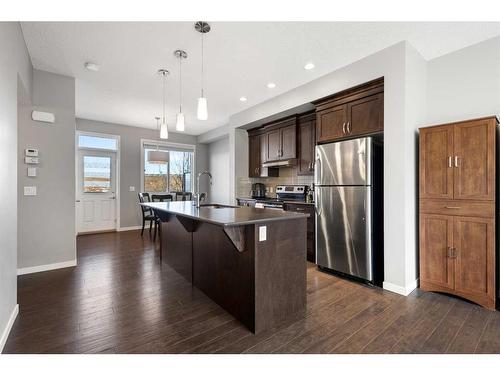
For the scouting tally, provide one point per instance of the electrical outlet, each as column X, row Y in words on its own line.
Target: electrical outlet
column 131, row 188
column 262, row 233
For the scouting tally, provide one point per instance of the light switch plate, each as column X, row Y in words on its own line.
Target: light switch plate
column 31, row 172
column 262, row 233
column 131, row 188
column 30, row 190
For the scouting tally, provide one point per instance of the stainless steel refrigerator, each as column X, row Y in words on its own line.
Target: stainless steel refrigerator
column 344, row 194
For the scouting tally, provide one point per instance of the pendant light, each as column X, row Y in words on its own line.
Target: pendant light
column 157, row 156
column 202, row 111
column 163, row 126
column 179, row 125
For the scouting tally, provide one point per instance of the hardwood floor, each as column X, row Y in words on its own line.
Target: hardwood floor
column 119, row 300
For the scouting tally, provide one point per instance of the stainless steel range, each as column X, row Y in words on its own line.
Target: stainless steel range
column 289, row 193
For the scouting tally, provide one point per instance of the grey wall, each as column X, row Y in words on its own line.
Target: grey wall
column 130, row 163
column 46, row 221
column 15, row 78
column 464, row 84
column 218, row 165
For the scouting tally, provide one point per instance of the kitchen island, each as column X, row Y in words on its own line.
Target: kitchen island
column 250, row 261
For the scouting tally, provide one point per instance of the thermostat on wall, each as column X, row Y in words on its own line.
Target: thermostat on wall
column 31, row 152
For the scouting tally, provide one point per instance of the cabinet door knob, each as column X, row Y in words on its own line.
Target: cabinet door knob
column 343, row 128
column 456, row 161
column 348, row 127
column 450, row 162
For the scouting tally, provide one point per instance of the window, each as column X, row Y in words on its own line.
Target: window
column 173, row 176
column 101, row 143
column 96, row 174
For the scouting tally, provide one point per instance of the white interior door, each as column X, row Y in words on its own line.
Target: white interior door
column 96, row 184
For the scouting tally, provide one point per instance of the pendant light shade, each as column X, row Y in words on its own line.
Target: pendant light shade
column 179, row 125
column 158, row 157
column 163, row 130
column 202, row 110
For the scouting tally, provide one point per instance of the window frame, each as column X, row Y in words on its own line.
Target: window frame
column 110, row 173
column 97, row 135
column 167, row 145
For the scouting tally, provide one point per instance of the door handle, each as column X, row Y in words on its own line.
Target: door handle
column 78, row 200
column 112, row 197
column 453, row 207
column 450, row 162
column 348, row 127
column 456, row 161
column 343, row 128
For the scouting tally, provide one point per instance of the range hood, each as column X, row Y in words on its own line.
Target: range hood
column 280, row 163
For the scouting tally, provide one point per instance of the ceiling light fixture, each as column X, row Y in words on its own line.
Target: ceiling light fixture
column 179, row 125
column 91, row 66
column 202, row 110
column 271, row 85
column 163, row 126
column 309, row 66
column 243, row 99
column 157, row 156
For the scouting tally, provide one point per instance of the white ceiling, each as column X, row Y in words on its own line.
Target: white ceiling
column 240, row 59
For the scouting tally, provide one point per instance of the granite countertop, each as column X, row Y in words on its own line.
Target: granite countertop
column 225, row 215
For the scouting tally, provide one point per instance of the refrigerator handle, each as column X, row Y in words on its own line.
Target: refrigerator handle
column 317, row 202
column 317, row 174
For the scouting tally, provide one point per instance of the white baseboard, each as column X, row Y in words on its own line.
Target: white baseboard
column 124, row 229
column 8, row 327
column 403, row 290
column 46, row 267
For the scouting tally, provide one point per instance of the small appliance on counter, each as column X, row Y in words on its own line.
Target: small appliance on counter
column 258, row 190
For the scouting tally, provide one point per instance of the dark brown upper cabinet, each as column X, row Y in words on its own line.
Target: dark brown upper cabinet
column 257, row 148
column 351, row 113
column 330, row 123
column 253, row 156
column 281, row 140
column 306, row 143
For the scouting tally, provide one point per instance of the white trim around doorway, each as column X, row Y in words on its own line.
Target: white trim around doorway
column 117, row 172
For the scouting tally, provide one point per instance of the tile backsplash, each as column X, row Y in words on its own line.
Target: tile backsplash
column 287, row 176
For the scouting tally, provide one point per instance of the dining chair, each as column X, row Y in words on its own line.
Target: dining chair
column 159, row 198
column 183, row 195
column 147, row 213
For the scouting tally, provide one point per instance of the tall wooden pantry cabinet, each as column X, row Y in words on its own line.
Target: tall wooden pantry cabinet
column 457, row 209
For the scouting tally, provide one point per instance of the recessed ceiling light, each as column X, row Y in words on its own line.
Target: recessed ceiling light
column 271, row 85
column 92, row 66
column 243, row 99
column 309, row 66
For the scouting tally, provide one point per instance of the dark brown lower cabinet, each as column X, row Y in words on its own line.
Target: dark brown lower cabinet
column 311, row 241
column 457, row 256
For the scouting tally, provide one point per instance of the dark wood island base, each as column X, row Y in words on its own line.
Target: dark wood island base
column 261, row 283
